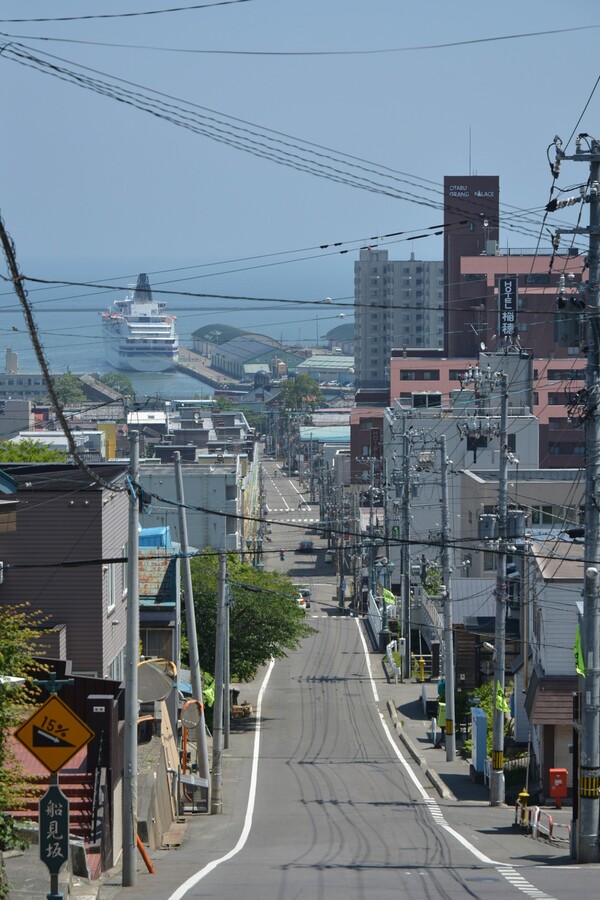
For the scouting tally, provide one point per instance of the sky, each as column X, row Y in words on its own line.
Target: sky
column 93, row 189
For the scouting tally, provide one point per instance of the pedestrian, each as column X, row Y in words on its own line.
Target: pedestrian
column 282, row 554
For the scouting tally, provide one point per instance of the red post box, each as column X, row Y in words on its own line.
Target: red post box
column 558, row 785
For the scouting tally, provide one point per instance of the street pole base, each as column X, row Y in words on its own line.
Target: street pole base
column 384, row 639
column 497, row 790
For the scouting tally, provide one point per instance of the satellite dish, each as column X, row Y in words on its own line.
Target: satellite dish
column 482, row 345
column 152, row 683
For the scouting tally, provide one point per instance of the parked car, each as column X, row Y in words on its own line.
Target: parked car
column 305, row 547
column 301, row 603
column 329, row 556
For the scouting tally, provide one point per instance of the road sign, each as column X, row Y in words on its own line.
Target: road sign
column 343, row 584
column 54, row 829
column 53, row 734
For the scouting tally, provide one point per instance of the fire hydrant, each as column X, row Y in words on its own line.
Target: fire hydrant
column 523, row 797
column 421, row 669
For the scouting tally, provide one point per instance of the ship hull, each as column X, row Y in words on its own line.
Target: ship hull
column 138, row 335
column 140, row 361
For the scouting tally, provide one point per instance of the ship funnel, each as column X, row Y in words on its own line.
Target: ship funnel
column 143, row 291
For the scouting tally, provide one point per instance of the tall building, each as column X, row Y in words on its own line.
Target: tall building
column 471, row 214
column 398, row 303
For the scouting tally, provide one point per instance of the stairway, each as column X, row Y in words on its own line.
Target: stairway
column 78, row 787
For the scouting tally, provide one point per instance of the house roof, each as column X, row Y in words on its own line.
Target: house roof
column 549, row 699
column 323, row 362
column 217, row 334
column 341, row 332
column 559, row 560
column 332, row 434
column 247, row 348
column 58, row 477
column 222, row 334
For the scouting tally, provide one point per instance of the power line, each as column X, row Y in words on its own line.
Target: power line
column 123, row 15
column 376, row 51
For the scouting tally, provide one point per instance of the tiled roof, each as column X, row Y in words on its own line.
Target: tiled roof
column 549, row 699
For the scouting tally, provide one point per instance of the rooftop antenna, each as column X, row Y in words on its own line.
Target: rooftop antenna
column 470, row 169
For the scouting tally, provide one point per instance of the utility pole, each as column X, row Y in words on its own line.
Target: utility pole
column 340, row 551
column 405, row 548
column 497, row 787
column 227, row 674
column 587, row 824
column 190, row 621
column 448, row 633
column 478, row 428
column 216, row 806
column 132, row 654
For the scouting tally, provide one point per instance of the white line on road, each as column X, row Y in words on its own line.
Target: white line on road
column 207, row 869
column 507, row 871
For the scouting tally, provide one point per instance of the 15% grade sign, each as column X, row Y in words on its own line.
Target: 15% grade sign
column 54, row 734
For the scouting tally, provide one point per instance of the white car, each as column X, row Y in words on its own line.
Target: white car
column 301, row 603
column 305, row 594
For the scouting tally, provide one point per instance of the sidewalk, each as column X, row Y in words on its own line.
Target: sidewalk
column 452, row 780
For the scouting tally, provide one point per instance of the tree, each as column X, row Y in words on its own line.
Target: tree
column 118, row 382
column 20, row 630
column 300, row 393
column 29, row 451
column 68, row 388
column 263, row 619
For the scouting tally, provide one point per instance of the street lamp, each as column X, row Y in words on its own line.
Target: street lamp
column 249, row 546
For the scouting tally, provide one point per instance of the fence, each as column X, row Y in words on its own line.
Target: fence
column 540, row 823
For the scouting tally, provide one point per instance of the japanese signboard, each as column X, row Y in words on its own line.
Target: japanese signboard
column 54, row 828
column 53, row 734
column 507, row 303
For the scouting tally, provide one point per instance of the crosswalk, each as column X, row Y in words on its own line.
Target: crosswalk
column 284, row 509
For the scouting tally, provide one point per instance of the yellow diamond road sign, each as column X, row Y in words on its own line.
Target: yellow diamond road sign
column 53, row 734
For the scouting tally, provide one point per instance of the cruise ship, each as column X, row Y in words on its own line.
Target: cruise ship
column 138, row 335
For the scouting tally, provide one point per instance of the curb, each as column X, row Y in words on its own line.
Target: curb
column 435, row 780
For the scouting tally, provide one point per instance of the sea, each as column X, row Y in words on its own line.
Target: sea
column 68, row 322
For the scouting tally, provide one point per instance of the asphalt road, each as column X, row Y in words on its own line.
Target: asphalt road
column 337, row 812
column 320, row 802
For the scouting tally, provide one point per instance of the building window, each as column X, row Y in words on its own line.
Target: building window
column 110, row 586
column 566, row 374
column 557, row 399
column 420, row 375
column 116, row 670
column 124, row 571
column 157, row 642
column 543, row 515
column 490, row 561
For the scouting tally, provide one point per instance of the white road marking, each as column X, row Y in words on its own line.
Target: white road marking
column 507, row 871
column 208, row 868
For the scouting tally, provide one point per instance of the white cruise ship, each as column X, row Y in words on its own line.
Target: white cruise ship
column 138, row 335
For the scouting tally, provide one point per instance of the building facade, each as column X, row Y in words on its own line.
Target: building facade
column 398, row 303
column 471, row 228
column 65, row 518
